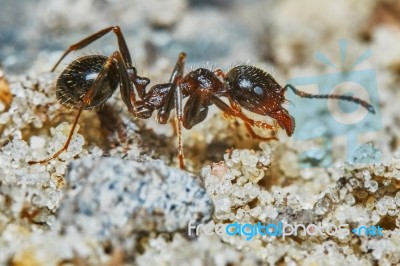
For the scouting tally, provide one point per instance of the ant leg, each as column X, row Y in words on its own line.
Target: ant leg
column 86, row 100
column 253, row 134
column 196, row 109
column 174, row 99
column 235, row 113
column 65, row 147
column 177, row 73
column 302, row 94
column 88, row 40
column 178, row 105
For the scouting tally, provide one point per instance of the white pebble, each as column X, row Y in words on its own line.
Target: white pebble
column 37, row 142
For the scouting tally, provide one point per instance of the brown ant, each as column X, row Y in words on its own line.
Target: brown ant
column 90, row 81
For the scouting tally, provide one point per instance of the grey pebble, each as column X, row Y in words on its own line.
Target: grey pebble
column 110, row 195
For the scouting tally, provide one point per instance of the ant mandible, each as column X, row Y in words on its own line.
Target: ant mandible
column 90, row 81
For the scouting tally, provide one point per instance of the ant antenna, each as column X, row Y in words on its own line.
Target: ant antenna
column 302, row 94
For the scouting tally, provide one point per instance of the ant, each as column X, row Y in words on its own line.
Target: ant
column 90, row 81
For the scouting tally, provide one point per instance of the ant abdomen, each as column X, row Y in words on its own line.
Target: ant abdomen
column 254, row 89
column 78, row 77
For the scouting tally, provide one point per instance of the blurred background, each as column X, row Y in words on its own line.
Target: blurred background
column 209, row 31
column 283, row 34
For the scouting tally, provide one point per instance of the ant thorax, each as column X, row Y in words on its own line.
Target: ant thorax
column 201, row 79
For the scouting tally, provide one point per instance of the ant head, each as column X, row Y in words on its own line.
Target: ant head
column 254, row 89
column 258, row 92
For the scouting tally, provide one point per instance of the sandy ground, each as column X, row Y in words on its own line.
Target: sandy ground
column 117, row 197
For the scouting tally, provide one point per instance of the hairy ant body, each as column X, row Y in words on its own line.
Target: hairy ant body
column 89, row 81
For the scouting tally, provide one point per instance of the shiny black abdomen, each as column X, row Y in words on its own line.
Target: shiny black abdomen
column 254, row 89
column 78, row 77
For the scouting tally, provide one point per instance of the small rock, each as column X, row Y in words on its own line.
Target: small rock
column 108, row 195
column 37, row 142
